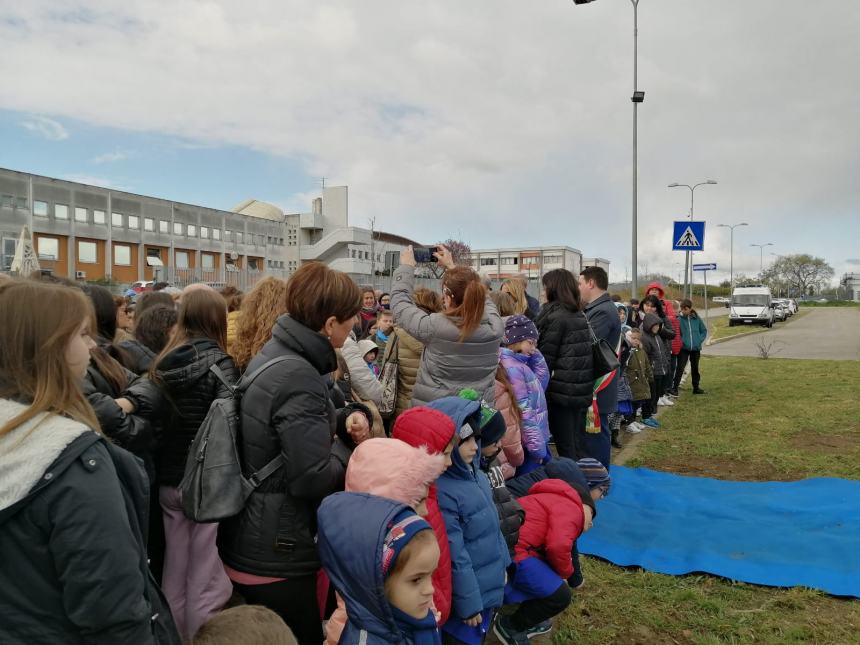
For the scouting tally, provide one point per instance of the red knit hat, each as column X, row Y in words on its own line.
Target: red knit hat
column 424, row 427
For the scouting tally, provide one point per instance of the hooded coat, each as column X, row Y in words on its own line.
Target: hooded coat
column 512, row 454
column 424, row 427
column 565, row 344
column 189, row 389
column 639, row 374
column 693, row 332
column 409, row 352
column 658, row 352
column 529, row 377
column 511, row 514
column 352, row 530
column 479, row 555
column 137, row 356
column 361, row 379
column 73, row 520
column 288, row 409
column 671, row 316
column 392, row 469
column 554, row 520
column 448, row 364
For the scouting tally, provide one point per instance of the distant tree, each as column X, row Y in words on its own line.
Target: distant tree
column 461, row 251
column 725, row 284
column 802, row 274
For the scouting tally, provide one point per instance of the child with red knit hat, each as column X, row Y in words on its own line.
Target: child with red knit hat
column 433, row 430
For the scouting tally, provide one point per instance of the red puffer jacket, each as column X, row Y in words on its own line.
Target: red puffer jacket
column 671, row 314
column 433, row 430
column 554, row 521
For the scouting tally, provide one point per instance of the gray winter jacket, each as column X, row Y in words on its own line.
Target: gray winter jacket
column 362, row 379
column 447, row 365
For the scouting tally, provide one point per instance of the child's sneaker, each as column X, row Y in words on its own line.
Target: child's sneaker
column 634, row 428
column 506, row 634
column 651, row 422
column 540, row 629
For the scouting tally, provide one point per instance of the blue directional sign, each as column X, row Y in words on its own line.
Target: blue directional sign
column 705, row 267
column 688, row 236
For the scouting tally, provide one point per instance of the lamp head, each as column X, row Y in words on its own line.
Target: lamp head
column 711, row 181
column 674, row 185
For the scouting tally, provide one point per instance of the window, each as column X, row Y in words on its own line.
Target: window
column 182, row 259
column 21, row 203
column 80, row 214
column 552, row 259
column 49, row 248
column 40, row 208
column 252, row 264
column 216, row 233
column 122, row 255
column 488, row 262
column 240, row 237
column 98, row 217
column 8, row 201
column 177, row 228
column 61, row 211
column 148, row 224
column 116, row 219
column 204, row 232
column 133, row 222
column 192, row 230
column 87, row 252
column 509, row 261
column 228, row 235
column 8, row 252
column 207, row 261
column 163, row 226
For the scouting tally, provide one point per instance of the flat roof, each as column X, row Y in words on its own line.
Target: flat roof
column 522, row 249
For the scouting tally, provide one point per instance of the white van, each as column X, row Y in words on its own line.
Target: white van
column 751, row 305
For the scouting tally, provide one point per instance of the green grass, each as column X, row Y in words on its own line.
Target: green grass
column 778, row 419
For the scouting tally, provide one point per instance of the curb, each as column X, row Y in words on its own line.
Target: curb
column 710, row 342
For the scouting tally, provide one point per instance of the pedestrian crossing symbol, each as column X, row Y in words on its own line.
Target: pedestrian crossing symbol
column 688, row 236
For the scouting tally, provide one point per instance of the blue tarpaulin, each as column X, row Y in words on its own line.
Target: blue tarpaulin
column 781, row 534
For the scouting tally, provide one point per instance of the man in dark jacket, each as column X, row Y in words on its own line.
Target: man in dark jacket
column 603, row 318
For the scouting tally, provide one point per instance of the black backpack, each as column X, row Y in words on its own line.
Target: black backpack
column 213, row 487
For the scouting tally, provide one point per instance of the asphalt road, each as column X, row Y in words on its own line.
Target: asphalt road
column 826, row 332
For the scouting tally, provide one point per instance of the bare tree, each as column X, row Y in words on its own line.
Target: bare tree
column 460, row 251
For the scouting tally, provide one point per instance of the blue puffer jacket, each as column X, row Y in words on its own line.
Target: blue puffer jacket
column 479, row 555
column 529, row 377
column 693, row 332
column 352, row 529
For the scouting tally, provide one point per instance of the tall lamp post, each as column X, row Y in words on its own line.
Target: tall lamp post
column 687, row 254
column 637, row 98
column 761, row 255
column 732, row 228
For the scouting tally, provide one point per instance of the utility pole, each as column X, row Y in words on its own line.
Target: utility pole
column 638, row 97
column 372, row 221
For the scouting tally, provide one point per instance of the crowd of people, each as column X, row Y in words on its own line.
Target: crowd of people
column 430, row 458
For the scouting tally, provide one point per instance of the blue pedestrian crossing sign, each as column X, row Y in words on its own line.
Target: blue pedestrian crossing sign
column 688, row 236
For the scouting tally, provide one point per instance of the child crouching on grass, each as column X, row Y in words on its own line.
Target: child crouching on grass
column 380, row 556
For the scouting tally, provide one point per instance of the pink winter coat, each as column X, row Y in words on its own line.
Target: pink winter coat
column 388, row 468
column 512, row 454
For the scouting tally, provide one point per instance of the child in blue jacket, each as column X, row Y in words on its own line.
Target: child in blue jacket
column 479, row 555
column 693, row 334
column 380, row 556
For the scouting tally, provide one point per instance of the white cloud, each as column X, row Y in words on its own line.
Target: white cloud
column 110, row 157
column 46, row 128
column 507, row 120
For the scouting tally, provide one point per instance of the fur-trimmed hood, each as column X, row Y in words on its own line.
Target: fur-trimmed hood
column 392, row 468
column 27, row 451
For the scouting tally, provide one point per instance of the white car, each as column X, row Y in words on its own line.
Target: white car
column 779, row 311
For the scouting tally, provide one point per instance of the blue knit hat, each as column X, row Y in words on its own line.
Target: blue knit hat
column 404, row 527
column 596, row 474
column 519, row 328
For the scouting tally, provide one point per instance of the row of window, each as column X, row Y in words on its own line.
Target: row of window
column 10, row 201
column 356, row 254
column 491, row 262
column 132, row 222
column 48, row 248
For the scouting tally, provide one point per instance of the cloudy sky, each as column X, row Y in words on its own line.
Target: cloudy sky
column 501, row 122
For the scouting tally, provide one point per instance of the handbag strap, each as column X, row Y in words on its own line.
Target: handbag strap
column 594, row 338
column 261, row 475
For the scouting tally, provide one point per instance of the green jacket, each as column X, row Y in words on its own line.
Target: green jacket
column 693, row 332
column 639, row 374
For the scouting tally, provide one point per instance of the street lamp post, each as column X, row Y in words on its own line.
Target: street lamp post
column 637, row 98
column 761, row 255
column 732, row 227
column 687, row 254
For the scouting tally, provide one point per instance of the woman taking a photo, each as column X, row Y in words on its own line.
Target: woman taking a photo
column 565, row 343
column 269, row 549
column 461, row 344
column 73, row 506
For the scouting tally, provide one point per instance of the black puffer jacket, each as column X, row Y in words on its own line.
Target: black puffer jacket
column 189, row 389
column 136, row 356
column 565, row 343
column 134, row 432
column 511, row 514
column 288, row 409
column 74, row 566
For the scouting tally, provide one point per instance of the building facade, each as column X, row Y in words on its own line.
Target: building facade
column 851, row 283
column 603, row 263
column 531, row 262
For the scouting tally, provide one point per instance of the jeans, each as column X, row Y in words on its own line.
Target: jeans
column 194, row 580
column 693, row 355
column 294, row 600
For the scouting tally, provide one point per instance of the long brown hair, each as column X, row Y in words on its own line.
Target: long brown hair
column 463, row 286
column 202, row 314
column 502, row 377
column 33, row 345
column 517, row 291
column 266, row 302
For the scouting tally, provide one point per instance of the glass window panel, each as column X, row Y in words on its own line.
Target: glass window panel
column 87, row 252
column 122, row 255
column 80, row 214
column 98, row 217
column 49, row 248
column 61, row 211
column 40, row 208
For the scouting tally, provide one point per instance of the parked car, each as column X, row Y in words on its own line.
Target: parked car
column 779, row 311
column 142, row 285
column 751, row 305
column 722, row 299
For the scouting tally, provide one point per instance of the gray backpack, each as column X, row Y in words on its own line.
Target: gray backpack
column 213, row 486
